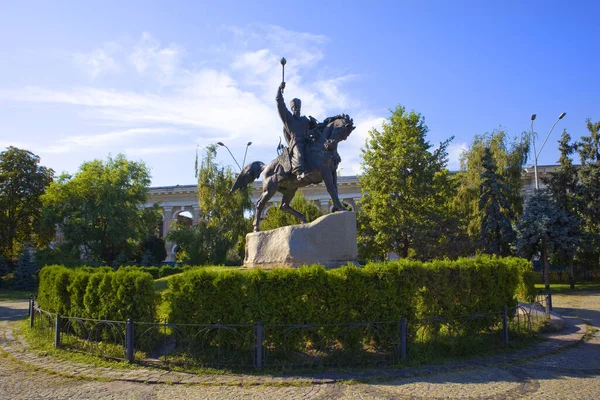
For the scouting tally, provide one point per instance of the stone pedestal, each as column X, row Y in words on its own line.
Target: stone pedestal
column 329, row 240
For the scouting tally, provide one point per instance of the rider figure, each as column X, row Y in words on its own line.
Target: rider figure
column 296, row 130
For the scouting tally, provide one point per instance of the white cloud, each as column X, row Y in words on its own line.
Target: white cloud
column 455, row 150
column 96, row 62
column 149, row 57
column 164, row 149
column 107, row 139
column 350, row 149
column 230, row 100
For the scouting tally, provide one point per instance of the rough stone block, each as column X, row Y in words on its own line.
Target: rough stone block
column 329, row 240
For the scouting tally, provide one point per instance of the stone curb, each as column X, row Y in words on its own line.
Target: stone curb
column 573, row 334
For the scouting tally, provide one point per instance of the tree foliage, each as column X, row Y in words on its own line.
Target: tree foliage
column 22, row 182
column 562, row 184
column 222, row 224
column 276, row 218
column 98, row 211
column 510, row 156
column 405, row 187
column 562, row 187
column 497, row 233
column 545, row 230
column 24, row 276
column 588, row 193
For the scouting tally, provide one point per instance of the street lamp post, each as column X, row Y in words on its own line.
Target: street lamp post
column 223, row 145
column 246, row 152
column 536, row 153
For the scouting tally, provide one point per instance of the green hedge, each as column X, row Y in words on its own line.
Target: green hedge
column 98, row 293
column 154, row 271
column 376, row 292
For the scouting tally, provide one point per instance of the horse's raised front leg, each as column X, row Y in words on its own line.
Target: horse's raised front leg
column 328, row 178
column 269, row 189
column 285, row 206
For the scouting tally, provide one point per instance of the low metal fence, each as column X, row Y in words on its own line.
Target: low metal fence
column 288, row 345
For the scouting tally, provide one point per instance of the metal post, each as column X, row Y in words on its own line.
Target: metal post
column 259, row 340
column 549, row 301
column 403, row 338
column 57, row 331
column 31, row 312
column 30, row 302
column 505, row 325
column 129, row 340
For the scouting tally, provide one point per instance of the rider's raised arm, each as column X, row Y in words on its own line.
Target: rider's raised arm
column 284, row 114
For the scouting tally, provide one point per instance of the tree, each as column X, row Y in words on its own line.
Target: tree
column 24, row 277
column 3, row 270
column 405, row 186
column 22, row 182
column 222, row 224
column 152, row 250
column 562, row 187
column 276, row 218
column 510, row 156
column 544, row 230
column 99, row 212
column 588, row 193
column 497, row 233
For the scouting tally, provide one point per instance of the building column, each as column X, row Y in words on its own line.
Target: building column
column 167, row 219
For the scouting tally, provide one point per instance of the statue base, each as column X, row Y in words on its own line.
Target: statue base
column 329, row 240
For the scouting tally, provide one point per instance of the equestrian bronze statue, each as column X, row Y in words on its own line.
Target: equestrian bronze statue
column 320, row 165
column 311, row 157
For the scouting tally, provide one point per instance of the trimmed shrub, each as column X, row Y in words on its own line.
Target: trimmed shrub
column 377, row 292
column 98, row 293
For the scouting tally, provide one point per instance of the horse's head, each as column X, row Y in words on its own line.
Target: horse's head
column 342, row 126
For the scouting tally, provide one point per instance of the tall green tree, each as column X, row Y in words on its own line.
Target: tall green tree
column 589, row 192
column 22, row 183
column 405, row 187
column 562, row 186
column 223, row 225
column 98, row 211
column 546, row 230
column 276, row 218
column 497, row 233
column 510, row 156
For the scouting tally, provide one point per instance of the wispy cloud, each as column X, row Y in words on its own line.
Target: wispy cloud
column 149, row 57
column 96, row 62
column 164, row 149
column 106, row 139
column 455, row 150
column 230, row 100
column 351, row 148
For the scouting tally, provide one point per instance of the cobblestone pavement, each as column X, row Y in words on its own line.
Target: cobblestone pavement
column 539, row 373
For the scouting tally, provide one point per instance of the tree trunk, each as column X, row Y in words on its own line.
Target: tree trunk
column 546, row 268
column 572, row 274
column 405, row 244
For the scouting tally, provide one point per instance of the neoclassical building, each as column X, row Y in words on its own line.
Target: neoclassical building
column 182, row 200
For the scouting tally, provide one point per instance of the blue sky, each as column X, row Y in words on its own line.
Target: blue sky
column 153, row 80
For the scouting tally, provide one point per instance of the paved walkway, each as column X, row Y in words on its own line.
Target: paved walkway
column 562, row 367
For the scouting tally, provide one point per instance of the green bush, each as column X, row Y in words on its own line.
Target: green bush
column 98, row 293
column 377, row 292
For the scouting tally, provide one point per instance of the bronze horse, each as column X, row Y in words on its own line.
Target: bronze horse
column 322, row 160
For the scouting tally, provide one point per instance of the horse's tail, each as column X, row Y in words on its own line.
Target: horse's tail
column 248, row 175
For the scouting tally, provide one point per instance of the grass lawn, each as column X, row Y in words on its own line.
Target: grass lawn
column 160, row 285
column 566, row 288
column 10, row 294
